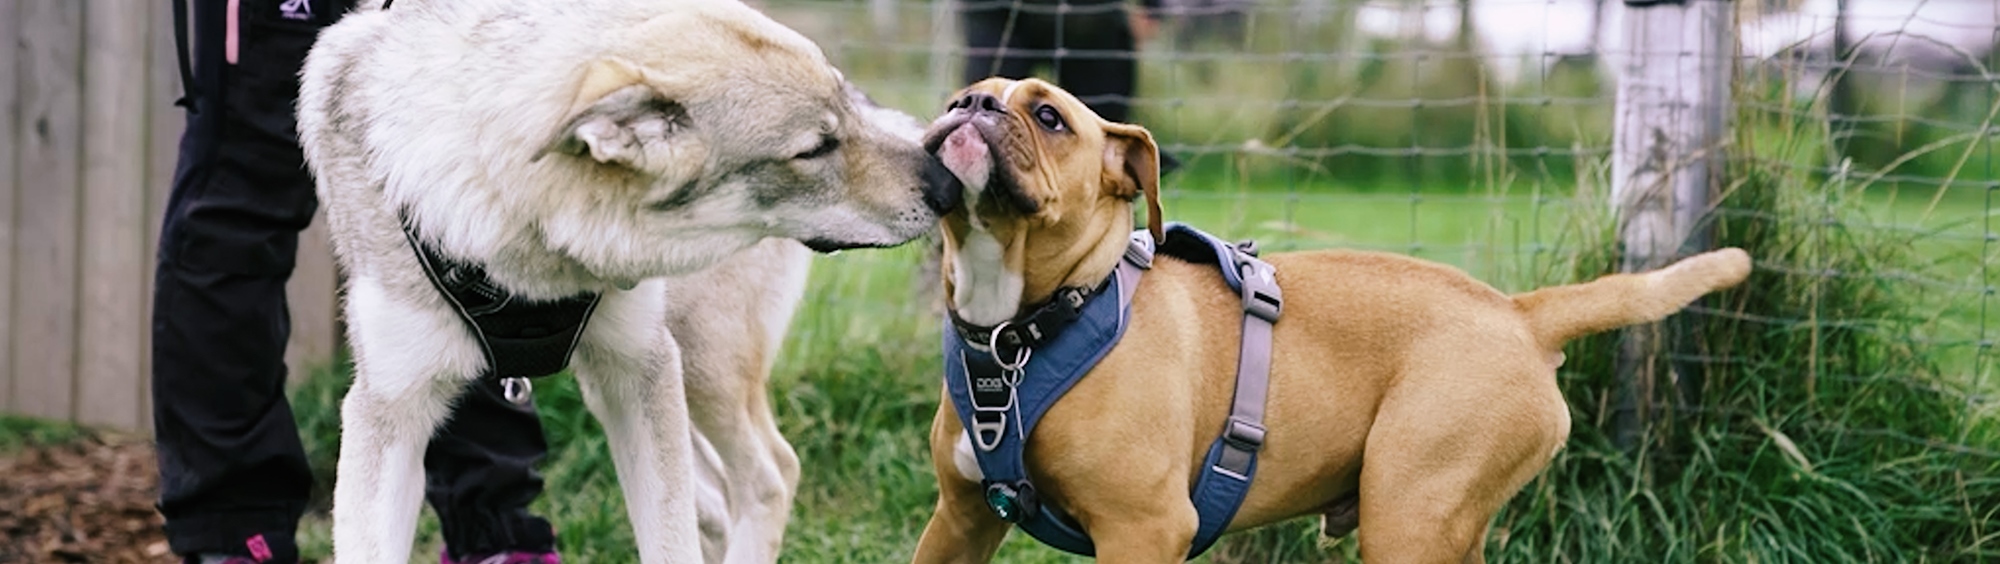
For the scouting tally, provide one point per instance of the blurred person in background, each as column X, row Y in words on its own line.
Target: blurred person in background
column 1090, row 46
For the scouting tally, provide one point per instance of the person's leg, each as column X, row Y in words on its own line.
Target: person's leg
column 233, row 477
column 481, row 477
column 1099, row 65
column 997, row 41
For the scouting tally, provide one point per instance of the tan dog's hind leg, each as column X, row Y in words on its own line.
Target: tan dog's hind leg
column 961, row 530
column 1452, row 442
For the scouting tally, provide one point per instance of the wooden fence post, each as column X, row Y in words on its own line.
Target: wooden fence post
column 1671, row 106
column 49, row 131
column 111, row 312
column 10, row 111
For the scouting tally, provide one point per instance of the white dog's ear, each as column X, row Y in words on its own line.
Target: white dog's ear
column 628, row 115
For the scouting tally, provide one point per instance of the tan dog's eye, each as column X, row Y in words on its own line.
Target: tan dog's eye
column 826, row 147
column 1049, row 117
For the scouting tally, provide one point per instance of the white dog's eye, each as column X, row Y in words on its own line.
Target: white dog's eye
column 826, row 147
column 1049, row 118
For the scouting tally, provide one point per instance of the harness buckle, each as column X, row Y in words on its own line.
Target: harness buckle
column 1247, row 246
column 1260, row 289
column 1140, row 251
column 1244, row 435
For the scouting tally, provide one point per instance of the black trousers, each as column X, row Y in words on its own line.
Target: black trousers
column 231, row 464
column 1089, row 48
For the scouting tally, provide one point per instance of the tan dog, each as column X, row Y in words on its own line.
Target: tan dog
column 1403, row 393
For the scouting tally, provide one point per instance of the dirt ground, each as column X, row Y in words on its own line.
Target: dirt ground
column 88, row 501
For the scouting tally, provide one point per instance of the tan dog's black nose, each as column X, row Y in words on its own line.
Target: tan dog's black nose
column 978, row 102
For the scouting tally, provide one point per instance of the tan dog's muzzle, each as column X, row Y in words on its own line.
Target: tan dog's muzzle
column 1021, row 146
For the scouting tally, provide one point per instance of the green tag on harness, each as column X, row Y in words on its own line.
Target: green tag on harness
column 1006, row 503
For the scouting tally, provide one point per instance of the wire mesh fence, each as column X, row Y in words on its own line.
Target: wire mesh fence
column 1861, row 163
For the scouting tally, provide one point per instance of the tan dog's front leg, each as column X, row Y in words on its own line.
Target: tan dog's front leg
column 1147, row 536
column 962, row 529
column 1157, row 529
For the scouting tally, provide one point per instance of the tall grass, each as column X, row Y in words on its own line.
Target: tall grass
column 1805, row 419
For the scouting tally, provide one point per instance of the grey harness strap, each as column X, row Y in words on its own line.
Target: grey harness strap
column 1262, row 302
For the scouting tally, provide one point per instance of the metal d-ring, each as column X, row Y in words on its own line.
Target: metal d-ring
column 993, row 348
column 517, row 390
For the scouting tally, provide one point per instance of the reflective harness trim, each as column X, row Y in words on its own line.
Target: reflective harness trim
column 1002, row 380
column 520, row 339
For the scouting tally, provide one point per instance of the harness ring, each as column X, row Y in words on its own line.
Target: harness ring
column 517, row 390
column 993, row 349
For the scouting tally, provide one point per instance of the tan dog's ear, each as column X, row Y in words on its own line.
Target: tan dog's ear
column 1132, row 168
column 628, row 113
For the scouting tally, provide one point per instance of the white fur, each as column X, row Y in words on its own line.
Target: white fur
column 1007, row 95
column 629, row 370
column 965, row 461
column 984, row 290
column 422, row 359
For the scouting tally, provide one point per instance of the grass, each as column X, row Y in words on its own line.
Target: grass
column 17, row 433
column 856, row 386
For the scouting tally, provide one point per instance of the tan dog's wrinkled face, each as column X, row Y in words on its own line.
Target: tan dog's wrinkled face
column 1048, row 197
column 733, row 128
column 1026, row 150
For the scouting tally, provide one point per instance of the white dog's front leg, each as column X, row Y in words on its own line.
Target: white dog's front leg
column 629, row 371
column 380, row 486
column 409, row 363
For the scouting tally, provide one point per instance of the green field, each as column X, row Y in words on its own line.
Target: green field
column 857, row 383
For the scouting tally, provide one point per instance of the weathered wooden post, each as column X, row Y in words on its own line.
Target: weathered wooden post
column 1673, row 96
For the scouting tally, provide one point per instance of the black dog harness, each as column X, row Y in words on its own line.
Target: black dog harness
column 1002, row 379
column 521, row 339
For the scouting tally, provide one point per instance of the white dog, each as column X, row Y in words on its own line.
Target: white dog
column 585, row 150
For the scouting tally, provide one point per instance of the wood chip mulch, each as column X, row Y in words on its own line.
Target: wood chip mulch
column 87, row 501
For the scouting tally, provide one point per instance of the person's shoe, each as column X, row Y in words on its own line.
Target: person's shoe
column 260, row 552
column 503, row 558
column 221, row 559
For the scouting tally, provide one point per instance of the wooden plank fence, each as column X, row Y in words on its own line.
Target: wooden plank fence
column 88, row 140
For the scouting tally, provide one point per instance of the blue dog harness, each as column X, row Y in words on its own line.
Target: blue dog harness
column 1002, row 379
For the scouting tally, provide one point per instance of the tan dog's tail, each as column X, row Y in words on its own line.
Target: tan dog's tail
column 1562, row 313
